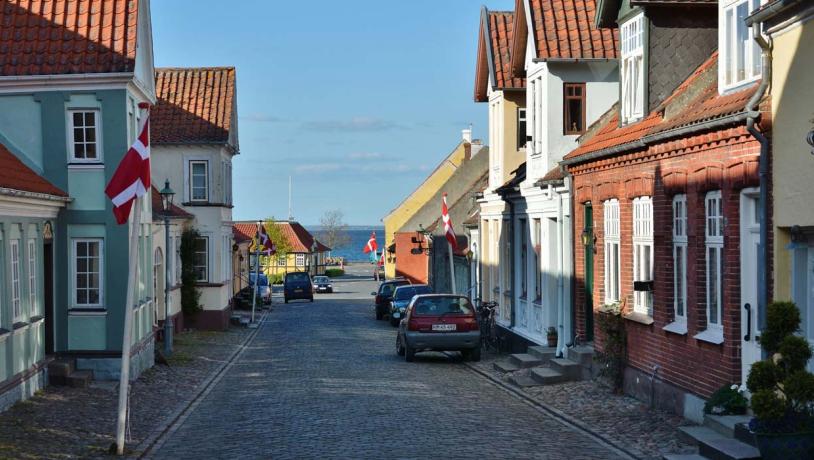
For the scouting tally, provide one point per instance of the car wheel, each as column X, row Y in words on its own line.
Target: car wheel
column 473, row 355
column 286, row 300
column 393, row 321
column 409, row 353
column 399, row 348
column 379, row 315
column 311, row 299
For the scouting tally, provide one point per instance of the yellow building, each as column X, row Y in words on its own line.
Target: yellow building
column 790, row 27
column 305, row 252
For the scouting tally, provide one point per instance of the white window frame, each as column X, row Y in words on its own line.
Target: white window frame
column 195, row 266
column 643, row 252
column 521, row 133
column 714, row 242
column 632, row 72
column 32, row 276
column 192, row 187
column 613, row 266
column 680, row 244
column 74, row 257
column 524, row 258
column 537, row 247
column 728, row 42
column 97, row 115
column 14, row 262
column 299, row 259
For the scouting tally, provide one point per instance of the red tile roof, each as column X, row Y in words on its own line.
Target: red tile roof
column 15, row 175
column 563, row 29
column 695, row 101
column 496, row 26
column 195, row 105
column 52, row 37
column 158, row 207
column 243, row 232
column 299, row 238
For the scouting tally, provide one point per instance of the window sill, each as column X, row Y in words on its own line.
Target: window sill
column 641, row 318
column 714, row 336
column 676, row 328
column 36, row 319
column 89, row 165
column 4, row 334
column 81, row 311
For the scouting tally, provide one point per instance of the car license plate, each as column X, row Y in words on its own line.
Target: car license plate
column 443, row 327
column 297, row 290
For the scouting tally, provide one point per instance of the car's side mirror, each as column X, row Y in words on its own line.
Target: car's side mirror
column 372, row 293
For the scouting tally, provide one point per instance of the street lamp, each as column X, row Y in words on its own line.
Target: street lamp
column 314, row 256
column 166, row 204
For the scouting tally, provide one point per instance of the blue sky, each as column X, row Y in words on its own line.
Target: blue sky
column 357, row 100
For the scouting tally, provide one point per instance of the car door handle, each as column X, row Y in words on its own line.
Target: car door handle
column 748, row 335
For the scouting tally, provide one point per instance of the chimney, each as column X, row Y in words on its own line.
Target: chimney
column 467, row 134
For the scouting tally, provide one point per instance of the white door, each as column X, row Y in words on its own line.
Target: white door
column 750, row 248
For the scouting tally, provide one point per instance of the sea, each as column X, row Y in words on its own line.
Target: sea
column 352, row 252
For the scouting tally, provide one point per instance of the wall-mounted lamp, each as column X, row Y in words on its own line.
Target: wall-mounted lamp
column 588, row 237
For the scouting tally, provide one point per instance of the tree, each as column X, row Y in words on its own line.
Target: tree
column 334, row 232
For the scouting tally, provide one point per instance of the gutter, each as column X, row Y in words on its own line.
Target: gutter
column 753, row 113
column 572, row 60
column 768, row 11
column 33, row 195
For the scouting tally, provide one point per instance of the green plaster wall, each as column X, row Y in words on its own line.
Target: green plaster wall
column 22, row 123
column 87, row 332
column 85, row 185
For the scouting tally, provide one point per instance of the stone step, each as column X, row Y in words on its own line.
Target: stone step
column 523, row 381
column 61, row 367
column 546, row 375
column 544, row 354
column 725, row 424
column 583, row 355
column 505, row 366
column 683, row 457
column 80, row 379
column 525, row 360
column 566, row 367
column 716, row 446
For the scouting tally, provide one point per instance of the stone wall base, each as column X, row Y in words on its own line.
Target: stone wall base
column 141, row 359
column 22, row 386
column 663, row 395
column 212, row 320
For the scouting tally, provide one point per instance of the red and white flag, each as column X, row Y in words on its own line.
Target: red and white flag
column 132, row 177
column 266, row 245
column 449, row 232
column 371, row 244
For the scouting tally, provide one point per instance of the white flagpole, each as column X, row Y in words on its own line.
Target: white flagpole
column 124, row 379
column 451, row 268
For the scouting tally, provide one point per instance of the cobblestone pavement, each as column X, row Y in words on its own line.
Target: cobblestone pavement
column 68, row 423
column 322, row 380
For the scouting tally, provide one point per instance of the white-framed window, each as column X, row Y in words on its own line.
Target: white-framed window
column 521, row 128
column 740, row 55
column 538, row 276
column 84, row 135
column 200, row 259
column 199, row 180
column 643, row 252
column 88, row 272
column 281, row 261
column 300, row 260
column 714, row 248
column 16, row 308
column 631, row 34
column 524, row 257
column 178, row 264
column 32, row 277
column 680, row 257
column 612, row 261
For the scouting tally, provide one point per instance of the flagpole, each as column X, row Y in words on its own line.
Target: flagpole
column 124, row 377
column 452, row 268
column 256, row 273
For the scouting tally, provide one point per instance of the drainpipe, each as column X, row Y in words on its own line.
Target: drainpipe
column 753, row 113
column 560, row 281
column 510, row 242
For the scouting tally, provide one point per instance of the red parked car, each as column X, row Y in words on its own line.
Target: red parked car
column 439, row 322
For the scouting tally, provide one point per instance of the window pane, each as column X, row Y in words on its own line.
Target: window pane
column 742, row 41
column 647, row 270
column 90, row 119
column 90, row 134
column 90, row 150
column 679, row 273
column 79, row 135
column 93, row 296
column 81, row 297
column 712, row 285
column 730, row 50
column 756, row 58
column 615, row 270
column 574, row 115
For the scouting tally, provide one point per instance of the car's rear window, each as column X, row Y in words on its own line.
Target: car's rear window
column 321, row 279
column 434, row 306
column 296, row 277
column 388, row 288
column 407, row 292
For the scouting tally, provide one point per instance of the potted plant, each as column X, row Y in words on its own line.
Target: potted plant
column 551, row 336
column 782, row 390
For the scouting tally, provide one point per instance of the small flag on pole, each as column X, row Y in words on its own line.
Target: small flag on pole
column 132, row 177
column 266, row 245
column 371, row 245
column 449, row 232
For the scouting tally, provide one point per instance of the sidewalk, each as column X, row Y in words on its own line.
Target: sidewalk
column 63, row 422
column 622, row 420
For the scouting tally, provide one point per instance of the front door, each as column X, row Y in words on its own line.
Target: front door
column 750, row 250
column 589, row 272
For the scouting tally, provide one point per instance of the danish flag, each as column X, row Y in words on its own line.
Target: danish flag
column 268, row 248
column 371, row 244
column 132, row 178
column 449, row 232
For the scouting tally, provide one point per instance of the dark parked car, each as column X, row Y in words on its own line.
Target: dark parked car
column 297, row 285
column 439, row 322
column 401, row 299
column 323, row 284
column 263, row 288
column 385, row 294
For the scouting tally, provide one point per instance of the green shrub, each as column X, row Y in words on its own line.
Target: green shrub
column 276, row 278
column 728, row 400
column 334, row 272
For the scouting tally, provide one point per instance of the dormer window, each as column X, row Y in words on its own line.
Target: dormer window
column 632, row 72
column 740, row 55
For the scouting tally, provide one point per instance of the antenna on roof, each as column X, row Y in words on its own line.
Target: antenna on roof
column 290, row 213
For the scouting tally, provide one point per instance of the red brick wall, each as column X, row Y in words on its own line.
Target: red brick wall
column 723, row 160
column 414, row 267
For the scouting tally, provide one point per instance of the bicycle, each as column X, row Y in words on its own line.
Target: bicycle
column 487, row 313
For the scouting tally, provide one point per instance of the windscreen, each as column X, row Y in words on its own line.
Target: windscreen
column 407, row 292
column 436, row 306
column 297, row 277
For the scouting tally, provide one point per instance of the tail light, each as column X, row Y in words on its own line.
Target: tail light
column 469, row 324
column 412, row 325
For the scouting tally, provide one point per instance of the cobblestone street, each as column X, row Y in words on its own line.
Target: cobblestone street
column 322, row 380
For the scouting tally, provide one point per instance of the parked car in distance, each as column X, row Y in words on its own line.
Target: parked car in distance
column 401, row 299
column 385, row 294
column 323, row 284
column 439, row 322
column 297, row 285
column 263, row 288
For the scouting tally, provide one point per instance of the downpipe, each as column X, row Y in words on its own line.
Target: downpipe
column 561, row 348
column 510, row 243
column 653, row 374
column 752, row 115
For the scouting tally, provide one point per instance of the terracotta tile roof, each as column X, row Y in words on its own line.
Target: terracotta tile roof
column 555, row 174
column 243, row 232
column 695, row 101
column 494, row 56
column 15, row 175
column 195, row 105
column 566, row 29
column 53, row 37
column 158, row 211
column 299, row 238
column 511, row 184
